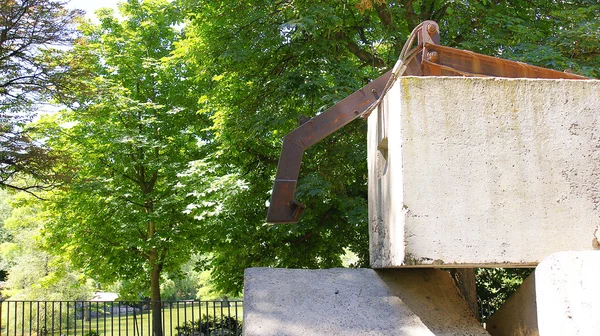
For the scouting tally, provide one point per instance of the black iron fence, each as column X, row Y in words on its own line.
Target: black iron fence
column 86, row 318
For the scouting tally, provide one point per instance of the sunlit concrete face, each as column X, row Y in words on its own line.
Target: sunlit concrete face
column 483, row 171
column 300, row 302
column 561, row 297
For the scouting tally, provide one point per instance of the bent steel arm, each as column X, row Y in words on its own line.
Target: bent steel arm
column 283, row 207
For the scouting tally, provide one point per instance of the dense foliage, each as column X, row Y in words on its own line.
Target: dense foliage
column 34, row 272
column 31, row 34
column 207, row 325
column 129, row 133
column 495, row 285
column 175, row 117
column 273, row 61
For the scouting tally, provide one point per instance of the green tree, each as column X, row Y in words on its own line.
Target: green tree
column 182, row 285
column 31, row 34
column 34, row 273
column 130, row 132
column 5, row 211
column 273, row 61
column 554, row 34
column 495, row 285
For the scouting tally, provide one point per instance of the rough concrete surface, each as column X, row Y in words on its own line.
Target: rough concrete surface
column 483, row 171
column 518, row 315
column 562, row 297
column 568, row 294
column 354, row 302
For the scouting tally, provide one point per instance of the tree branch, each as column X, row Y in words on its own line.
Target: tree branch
column 24, row 189
column 384, row 15
column 412, row 20
column 362, row 54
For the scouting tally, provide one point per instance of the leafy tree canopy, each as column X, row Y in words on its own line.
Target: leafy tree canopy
column 31, row 33
column 218, row 84
column 131, row 129
column 269, row 62
column 34, row 273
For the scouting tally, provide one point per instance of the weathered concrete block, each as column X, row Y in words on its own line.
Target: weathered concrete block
column 354, row 302
column 562, row 297
column 483, row 171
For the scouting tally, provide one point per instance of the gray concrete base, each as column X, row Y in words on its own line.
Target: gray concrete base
column 562, row 297
column 354, row 302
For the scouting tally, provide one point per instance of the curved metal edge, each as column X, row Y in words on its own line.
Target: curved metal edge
column 283, row 208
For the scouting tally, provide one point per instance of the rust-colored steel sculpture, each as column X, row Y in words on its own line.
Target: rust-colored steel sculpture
column 428, row 58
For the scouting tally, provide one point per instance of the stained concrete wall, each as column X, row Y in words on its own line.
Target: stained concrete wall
column 483, row 171
column 354, row 302
column 562, row 297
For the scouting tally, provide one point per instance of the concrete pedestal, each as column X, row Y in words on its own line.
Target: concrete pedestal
column 354, row 302
column 468, row 172
column 562, row 297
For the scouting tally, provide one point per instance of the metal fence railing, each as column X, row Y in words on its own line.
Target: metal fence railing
column 87, row 318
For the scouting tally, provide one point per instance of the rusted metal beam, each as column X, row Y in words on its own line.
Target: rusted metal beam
column 446, row 61
column 283, row 207
column 428, row 58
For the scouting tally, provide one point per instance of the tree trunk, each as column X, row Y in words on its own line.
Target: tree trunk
column 156, row 268
column 465, row 281
column 155, row 294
